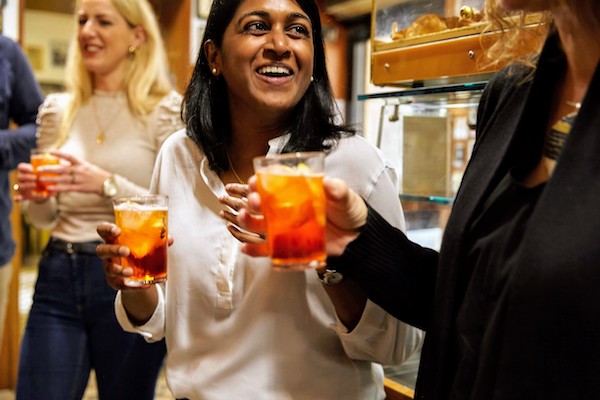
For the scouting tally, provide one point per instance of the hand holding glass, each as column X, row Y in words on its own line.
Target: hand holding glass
column 143, row 221
column 293, row 204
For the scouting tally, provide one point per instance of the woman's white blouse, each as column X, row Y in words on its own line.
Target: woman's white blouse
column 235, row 329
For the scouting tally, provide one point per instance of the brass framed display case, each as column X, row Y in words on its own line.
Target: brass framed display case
column 413, row 40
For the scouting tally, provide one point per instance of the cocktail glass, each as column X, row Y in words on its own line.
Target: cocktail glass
column 293, row 205
column 39, row 158
column 143, row 220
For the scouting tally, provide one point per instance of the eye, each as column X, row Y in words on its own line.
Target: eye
column 104, row 22
column 82, row 21
column 298, row 31
column 256, row 27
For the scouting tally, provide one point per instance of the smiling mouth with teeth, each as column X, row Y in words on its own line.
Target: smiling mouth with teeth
column 274, row 71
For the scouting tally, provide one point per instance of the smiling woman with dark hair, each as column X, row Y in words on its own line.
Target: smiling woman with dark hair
column 236, row 329
column 206, row 101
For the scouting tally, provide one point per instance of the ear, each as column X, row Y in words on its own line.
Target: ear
column 140, row 37
column 213, row 55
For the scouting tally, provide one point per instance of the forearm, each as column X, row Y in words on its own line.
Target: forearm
column 140, row 304
column 41, row 214
column 349, row 301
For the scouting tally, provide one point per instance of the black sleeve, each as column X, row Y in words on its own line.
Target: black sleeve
column 396, row 274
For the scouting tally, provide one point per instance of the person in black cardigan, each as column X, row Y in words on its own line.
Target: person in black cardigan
column 511, row 303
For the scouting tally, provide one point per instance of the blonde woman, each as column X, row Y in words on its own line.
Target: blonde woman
column 107, row 129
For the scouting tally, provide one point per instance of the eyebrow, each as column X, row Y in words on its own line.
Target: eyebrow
column 265, row 14
column 83, row 13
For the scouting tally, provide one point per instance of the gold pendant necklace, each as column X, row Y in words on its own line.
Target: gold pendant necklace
column 103, row 129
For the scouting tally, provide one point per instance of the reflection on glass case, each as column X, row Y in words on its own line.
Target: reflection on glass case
column 428, row 134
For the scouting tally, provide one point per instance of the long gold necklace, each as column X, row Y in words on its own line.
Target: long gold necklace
column 103, row 129
column 233, row 170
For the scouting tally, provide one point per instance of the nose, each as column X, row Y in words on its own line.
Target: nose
column 87, row 29
column 278, row 45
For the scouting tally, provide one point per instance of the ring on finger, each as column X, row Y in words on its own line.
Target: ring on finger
column 72, row 176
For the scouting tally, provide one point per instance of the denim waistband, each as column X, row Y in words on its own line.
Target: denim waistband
column 74, row 247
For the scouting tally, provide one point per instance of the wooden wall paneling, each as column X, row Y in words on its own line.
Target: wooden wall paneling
column 175, row 19
column 9, row 349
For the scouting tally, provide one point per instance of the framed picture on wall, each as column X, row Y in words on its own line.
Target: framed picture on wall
column 58, row 53
column 35, row 55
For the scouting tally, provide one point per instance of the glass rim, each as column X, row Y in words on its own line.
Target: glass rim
column 139, row 197
column 42, row 152
column 290, row 156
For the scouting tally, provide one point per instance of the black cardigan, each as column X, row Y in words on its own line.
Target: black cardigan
column 551, row 341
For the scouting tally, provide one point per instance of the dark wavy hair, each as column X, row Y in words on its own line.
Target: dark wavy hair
column 206, row 110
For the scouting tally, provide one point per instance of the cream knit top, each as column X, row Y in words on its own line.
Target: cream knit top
column 129, row 150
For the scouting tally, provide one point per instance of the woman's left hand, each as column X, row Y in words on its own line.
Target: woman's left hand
column 237, row 201
column 77, row 175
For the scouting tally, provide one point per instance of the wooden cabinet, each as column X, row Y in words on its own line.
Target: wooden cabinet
column 419, row 40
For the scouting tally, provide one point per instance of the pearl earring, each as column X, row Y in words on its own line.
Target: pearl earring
column 312, row 79
column 214, row 71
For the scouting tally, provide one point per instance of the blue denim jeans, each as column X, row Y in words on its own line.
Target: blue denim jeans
column 72, row 328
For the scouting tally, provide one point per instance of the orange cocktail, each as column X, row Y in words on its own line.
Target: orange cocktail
column 293, row 204
column 144, row 229
column 40, row 158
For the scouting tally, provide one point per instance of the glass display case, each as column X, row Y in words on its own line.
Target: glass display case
column 426, row 39
column 427, row 133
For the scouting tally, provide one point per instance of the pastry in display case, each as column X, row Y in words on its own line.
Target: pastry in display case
column 431, row 26
column 416, row 40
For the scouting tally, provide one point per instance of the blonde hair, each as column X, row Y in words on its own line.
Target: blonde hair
column 515, row 37
column 146, row 80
